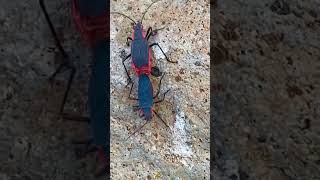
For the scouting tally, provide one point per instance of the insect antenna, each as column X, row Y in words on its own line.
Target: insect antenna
column 147, row 10
column 137, row 130
column 124, row 16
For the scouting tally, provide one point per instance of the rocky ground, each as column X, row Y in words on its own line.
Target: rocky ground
column 266, row 89
column 157, row 152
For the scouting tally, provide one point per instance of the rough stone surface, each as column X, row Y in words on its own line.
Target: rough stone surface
column 35, row 141
column 266, row 91
column 157, row 152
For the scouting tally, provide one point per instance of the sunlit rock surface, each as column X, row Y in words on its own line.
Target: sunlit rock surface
column 157, row 152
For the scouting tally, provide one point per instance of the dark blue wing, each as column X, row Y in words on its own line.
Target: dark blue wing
column 145, row 95
column 139, row 52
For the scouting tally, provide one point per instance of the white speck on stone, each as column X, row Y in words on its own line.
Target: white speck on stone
column 180, row 137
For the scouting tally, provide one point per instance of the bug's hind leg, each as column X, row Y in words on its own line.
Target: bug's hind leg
column 137, row 130
column 132, row 98
column 164, row 96
column 159, row 87
column 160, row 118
column 156, row 44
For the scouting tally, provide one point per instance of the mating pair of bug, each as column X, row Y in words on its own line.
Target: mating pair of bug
column 142, row 66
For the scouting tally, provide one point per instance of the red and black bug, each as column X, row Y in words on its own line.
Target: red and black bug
column 141, row 63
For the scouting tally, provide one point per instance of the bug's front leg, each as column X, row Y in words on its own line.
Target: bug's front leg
column 149, row 33
column 128, row 43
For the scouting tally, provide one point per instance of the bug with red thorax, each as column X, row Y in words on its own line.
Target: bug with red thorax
column 141, row 63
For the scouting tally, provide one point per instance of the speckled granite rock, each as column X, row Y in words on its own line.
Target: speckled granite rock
column 266, row 104
column 157, row 152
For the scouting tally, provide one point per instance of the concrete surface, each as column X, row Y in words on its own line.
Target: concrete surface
column 157, row 152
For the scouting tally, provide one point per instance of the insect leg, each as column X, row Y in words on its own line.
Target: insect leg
column 160, row 118
column 130, row 81
column 72, row 73
column 128, row 38
column 58, row 70
column 58, row 44
column 149, row 33
column 156, row 44
column 159, row 86
column 132, row 98
column 164, row 96
column 137, row 130
column 153, row 32
column 52, row 29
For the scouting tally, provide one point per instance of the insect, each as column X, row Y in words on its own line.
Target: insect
column 142, row 65
column 97, row 89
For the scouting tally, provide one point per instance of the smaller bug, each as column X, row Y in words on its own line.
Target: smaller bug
column 142, row 66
